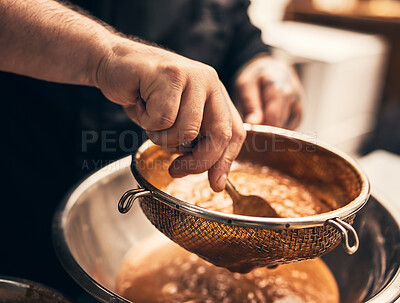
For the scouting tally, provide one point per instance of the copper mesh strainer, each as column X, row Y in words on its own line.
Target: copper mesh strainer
column 241, row 243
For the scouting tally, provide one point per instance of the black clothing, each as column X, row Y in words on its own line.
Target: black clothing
column 216, row 32
column 43, row 123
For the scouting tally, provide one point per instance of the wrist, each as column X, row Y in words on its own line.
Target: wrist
column 98, row 58
column 116, row 47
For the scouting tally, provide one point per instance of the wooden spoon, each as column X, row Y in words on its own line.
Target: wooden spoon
column 249, row 205
column 242, row 205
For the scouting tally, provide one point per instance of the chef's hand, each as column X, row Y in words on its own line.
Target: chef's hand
column 183, row 98
column 179, row 100
column 268, row 91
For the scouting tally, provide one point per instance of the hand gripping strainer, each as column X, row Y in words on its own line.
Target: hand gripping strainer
column 241, row 243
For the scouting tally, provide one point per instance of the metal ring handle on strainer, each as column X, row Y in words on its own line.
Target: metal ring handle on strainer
column 345, row 230
column 127, row 199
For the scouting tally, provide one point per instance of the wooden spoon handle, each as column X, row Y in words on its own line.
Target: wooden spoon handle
column 231, row 190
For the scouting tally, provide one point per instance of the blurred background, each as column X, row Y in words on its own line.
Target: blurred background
column 347, row 53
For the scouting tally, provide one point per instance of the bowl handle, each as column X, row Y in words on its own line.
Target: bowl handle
column 345, row 229
column 127, row 199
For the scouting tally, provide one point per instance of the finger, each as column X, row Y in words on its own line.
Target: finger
column 249, row 97
column 217, row 174
column 216, row 132
column 275, row 109
column 295, row 113
column 162, row 106
column 296, row 108
column 188, row 122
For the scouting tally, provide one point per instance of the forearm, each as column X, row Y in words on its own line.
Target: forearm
column 183, row 98
column 46, row 40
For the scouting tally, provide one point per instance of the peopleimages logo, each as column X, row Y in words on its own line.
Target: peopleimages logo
column 128, row 141
column 110, row 141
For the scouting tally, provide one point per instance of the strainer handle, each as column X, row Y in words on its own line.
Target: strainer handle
column 127, row 199
column 345, row 229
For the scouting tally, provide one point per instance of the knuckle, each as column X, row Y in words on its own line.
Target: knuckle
column 213, row 72
column 225, row 135
column 174, row 74
column 163, row 120
column 210, row 72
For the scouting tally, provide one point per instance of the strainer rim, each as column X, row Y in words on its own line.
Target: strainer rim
column 261, row 222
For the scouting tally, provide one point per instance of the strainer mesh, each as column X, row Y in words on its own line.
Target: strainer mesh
column 239, row 248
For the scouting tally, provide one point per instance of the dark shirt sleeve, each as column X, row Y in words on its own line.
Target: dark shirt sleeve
column 216, row 32
column 246, row 43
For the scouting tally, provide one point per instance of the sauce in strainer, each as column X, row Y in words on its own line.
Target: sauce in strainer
column 287, row 196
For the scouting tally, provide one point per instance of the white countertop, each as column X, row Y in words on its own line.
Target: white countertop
column 383, row 171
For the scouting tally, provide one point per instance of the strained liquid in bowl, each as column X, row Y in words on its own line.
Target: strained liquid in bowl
column 286, row 195
column 168, row 273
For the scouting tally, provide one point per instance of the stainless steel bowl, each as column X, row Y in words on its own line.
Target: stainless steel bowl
column 91, row 239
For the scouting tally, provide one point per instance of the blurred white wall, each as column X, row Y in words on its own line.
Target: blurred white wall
column 262, row 12
column 341, row 71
